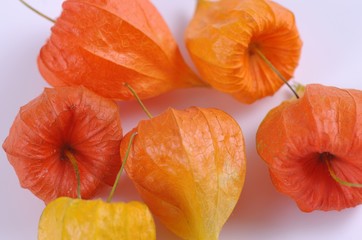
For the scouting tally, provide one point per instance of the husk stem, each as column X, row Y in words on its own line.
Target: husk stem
column 73, row 161
column 275, row 70
column 110, row 197
column 138, row 100
column 37, row 12
column 327, row 160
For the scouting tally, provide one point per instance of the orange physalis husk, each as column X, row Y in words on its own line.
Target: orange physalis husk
column 63, row 121
column 300, row 138
column 76, row 219
column 227, row 40
column 189, row 168
column 103, row 44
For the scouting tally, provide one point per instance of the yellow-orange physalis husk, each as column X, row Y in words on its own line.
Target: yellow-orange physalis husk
column 299, row 138
column 102, row 44
column 189, row 168
column 76, row 219
column 225, row 36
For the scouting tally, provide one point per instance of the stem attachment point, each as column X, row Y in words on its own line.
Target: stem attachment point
column 109, row 199
column 37, row 12
column 275, row 70
column 73, row 161
column 138, row 100
column 327, row 158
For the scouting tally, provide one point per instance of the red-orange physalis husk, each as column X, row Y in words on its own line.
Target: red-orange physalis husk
column 189, row 167
column 297, row 138
column 103, row 44
column 64, row 119
column 224, row 38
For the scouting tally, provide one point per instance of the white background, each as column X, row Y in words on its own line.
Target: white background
column 332, row 55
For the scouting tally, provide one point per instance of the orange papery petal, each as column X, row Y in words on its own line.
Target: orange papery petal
column 189, row 168
column 103, row 44
column 222, row 38
column 65, row 118
column 294, row 136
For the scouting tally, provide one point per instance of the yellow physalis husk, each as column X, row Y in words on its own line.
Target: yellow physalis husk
column 67, row 218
